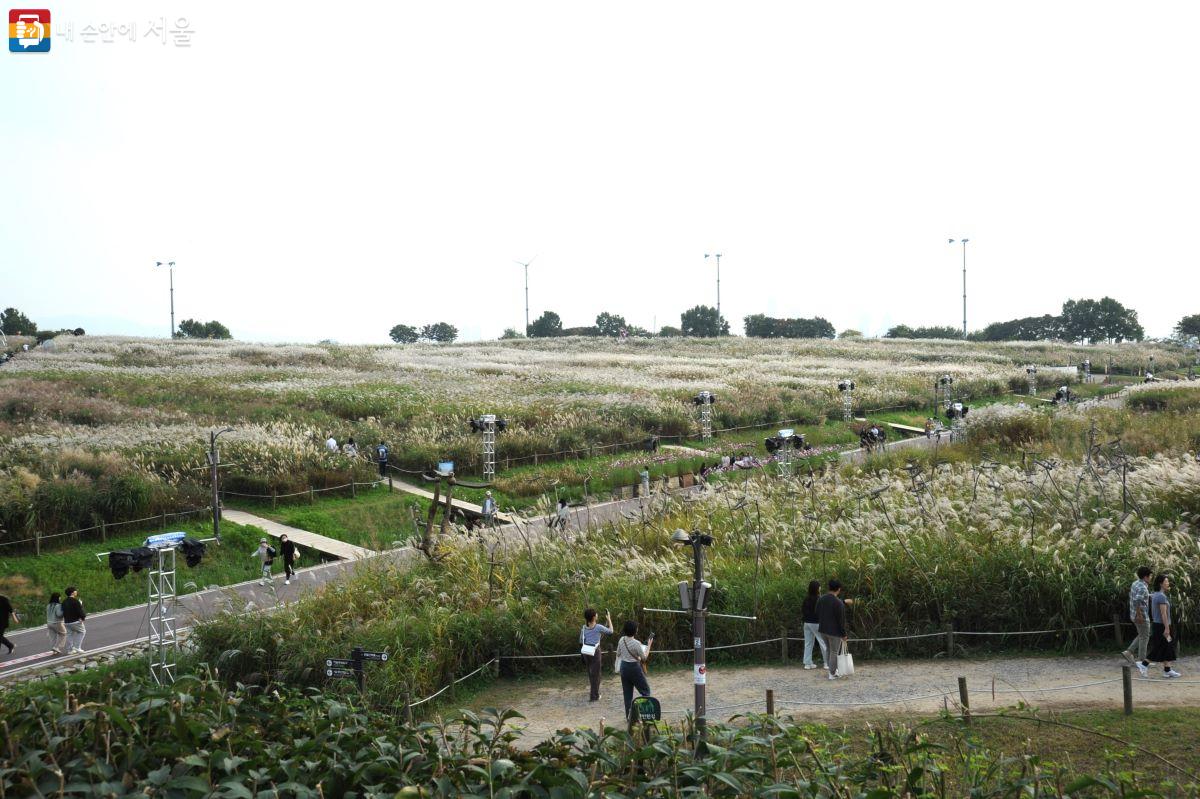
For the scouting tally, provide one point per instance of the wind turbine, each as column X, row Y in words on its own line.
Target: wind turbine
column 526, row 265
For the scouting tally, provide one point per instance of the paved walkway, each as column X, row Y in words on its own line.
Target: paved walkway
column 409, row 488
column 877, row 687
column 303, row 538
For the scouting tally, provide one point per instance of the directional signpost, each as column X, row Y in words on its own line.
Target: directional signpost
column 352, row 667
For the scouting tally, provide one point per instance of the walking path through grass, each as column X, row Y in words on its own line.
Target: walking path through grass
column 302, row 538
column 550, row 703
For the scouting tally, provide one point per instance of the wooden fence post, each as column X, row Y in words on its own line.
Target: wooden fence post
column 389, row 482
column 949, row 640
column 408, row 711
column 103, row 531
column 1117, row 628
column 1127, row 688
column 310, row 495
column 37, row 545
column 164, row 521
column 770, row 702
column 783, row 645
column 964, row 700
column 496, row 664
column 353, row 490
column 274, row 497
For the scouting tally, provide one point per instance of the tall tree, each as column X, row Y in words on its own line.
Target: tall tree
column 193, row 328
column 703, row 321
column 15, row 323
column 1188, row 326
column 932, row 331
column 510, row 333
column 404, row 334
column 442, row 332
column 1100, row 320
column 611, row 325
column 760, row 326
column 545, row 326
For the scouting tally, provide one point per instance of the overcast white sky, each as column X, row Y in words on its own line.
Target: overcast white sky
column 321, row 170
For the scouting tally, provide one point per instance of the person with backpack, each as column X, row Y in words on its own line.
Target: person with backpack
column 55, row 626
column 632, row 655
column 589, row 648
column 7, row 612
column 73, row 616
column 381, row 455
column 290, row 553
column 266, row 556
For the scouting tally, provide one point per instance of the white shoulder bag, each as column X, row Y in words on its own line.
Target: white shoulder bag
column 586, row 649
column 845, row 661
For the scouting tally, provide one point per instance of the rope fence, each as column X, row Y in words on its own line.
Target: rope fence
column 305, row 493
column 108, row 526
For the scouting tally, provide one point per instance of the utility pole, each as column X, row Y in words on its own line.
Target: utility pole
column 964, row 244
column 171, row 271
column 718, row 257
column 214, row 462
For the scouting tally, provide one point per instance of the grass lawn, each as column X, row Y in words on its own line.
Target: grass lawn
column 28, row 579
column 377, row 518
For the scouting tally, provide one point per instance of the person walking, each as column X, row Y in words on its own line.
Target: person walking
column 632, row 655
column 7, row 612
column 1162, row 641
column 589, row 639
column 489, row 511
column 381, row 456
column 290, row 553
column 266, row 556
column 1139, row 614
column 831, row 624
column 562, row 515
column 812, row 624
column 73, row 616
column 55, row 626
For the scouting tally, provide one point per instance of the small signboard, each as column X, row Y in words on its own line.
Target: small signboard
column 701, row 673
column 379, row 656
column 646, row 709
column 339, row 672
column 445, row 467
column 163, row 540
column 341, row 663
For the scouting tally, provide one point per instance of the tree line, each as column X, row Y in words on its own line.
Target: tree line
column 1091, row 321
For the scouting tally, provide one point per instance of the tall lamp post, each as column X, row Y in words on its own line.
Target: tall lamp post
column 214, row 462
column 718, row 257
column 964, row 244
column 526, row 265
column 171, row 270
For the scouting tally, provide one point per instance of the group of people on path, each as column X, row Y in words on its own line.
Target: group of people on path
column 632, row 656
column 1150, row 612
column 266, row 554
column 64, row 622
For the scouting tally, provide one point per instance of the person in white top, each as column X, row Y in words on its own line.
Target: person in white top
column 331, row 444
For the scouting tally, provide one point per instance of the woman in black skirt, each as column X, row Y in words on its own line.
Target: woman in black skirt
column 1162, row 634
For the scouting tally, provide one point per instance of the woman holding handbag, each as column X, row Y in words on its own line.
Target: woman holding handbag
column 631, row 662
column 589, row 648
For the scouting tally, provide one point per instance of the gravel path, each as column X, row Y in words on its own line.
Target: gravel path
column 553, row 703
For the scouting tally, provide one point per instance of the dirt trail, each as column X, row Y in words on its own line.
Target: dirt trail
column 553, row 703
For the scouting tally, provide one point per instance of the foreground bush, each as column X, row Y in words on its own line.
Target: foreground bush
column 125, row 737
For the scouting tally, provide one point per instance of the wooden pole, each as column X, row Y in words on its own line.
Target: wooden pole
column 274, row 497
column 783, row 645
column 770, row 702
column 353, row 490
column 949, row 640
column 310, row 495
column 1116, row 617
column 964, row 700
column 496, row 664
column 1127, row 688
column 103, row 531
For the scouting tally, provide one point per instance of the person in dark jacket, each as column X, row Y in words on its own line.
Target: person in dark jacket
column 381, row 456
column 6, row 613
column 73, row 616
column 831, row 623
column 290, row 553
column 812, row 634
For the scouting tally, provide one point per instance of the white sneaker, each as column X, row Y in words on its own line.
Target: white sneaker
column 1145, row 672
column 287, row 582
column 833, row 676
column 810, row 666
column 1172, row 673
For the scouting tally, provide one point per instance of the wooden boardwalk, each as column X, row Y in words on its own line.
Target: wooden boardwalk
column 302, row 538
column 408, row 488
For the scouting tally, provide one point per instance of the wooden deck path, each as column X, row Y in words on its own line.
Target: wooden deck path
column 408, row 488
column 302, row 538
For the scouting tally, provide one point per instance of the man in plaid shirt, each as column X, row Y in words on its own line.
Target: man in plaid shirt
column 1139, row 603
